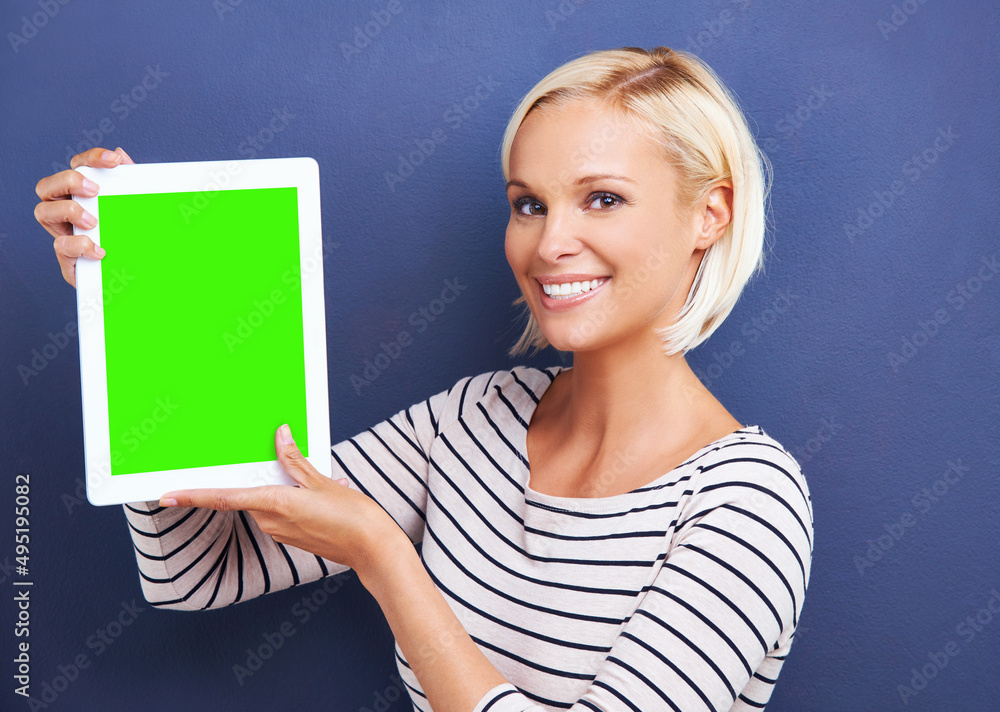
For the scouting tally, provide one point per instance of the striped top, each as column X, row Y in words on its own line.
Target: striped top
column 680, row 595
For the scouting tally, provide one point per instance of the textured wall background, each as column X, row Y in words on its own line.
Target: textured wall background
column 870, row 348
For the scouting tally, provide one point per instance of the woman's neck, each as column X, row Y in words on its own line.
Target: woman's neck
column 627, row 388
column 636, row 415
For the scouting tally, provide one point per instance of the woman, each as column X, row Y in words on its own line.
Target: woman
column 654, row 554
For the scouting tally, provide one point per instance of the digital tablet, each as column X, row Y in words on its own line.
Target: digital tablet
column 203, row 329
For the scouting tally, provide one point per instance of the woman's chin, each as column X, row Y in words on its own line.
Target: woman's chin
column 574, row 339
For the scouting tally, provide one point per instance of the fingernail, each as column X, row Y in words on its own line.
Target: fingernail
column 285, row 435
column 344, row 481
column 100, row 251
column 88, row 219
column 111, row 156
column 89, row 186
column 168, row 502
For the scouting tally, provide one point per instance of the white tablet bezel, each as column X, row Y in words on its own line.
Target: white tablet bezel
column 300, row 173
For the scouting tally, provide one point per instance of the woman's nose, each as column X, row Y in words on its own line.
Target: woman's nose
column 559, row 238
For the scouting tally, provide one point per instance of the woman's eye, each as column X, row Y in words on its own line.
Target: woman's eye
column 527, row 206
column 604, row 201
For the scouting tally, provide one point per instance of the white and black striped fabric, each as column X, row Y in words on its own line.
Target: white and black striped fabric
column 681, row 595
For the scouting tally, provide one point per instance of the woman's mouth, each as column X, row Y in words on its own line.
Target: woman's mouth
column 564, row 294
column 570, row 289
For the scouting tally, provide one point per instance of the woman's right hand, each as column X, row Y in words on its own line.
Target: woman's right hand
column 58, row 213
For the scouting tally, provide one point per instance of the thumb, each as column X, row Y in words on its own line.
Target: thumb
column 126, row 159
column 94, row 251
column 292, row 461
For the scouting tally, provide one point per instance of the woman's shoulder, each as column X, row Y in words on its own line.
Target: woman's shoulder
column 751, row 443
column 755, row 465
column 516, row 390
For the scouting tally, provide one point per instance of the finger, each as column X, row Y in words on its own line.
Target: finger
column 261, row 499
column 71, row 247
column 126, row 159
column 71, row 182
column 59, row 217
column 64, row 184
column 292, row 460
column 98, row 158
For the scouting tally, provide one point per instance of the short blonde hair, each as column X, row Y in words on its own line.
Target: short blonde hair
column 683, row 106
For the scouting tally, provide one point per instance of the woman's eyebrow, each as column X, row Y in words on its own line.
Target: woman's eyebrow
column 602, row 176
column 579, row 181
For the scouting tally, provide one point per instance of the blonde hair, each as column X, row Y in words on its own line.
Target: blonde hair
column 683, row 106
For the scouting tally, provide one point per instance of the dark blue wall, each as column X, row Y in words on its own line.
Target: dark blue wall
column 870, row 348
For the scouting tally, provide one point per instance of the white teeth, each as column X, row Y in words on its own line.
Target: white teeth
column 569, row 289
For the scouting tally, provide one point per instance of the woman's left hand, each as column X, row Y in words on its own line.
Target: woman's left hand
column 340, row 524
column 321, row 516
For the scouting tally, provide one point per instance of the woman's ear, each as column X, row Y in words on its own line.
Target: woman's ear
column 714, row 212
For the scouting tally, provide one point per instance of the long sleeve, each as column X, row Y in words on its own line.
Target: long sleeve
column 193, row 559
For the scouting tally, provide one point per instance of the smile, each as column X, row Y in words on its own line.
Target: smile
column 570, row 289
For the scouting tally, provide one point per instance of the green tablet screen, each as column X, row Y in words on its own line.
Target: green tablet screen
column 203, row 327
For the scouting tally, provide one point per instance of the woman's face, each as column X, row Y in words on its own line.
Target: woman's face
column 599, row 246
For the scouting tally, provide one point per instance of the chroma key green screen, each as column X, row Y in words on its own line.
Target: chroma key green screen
column 203, row 327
